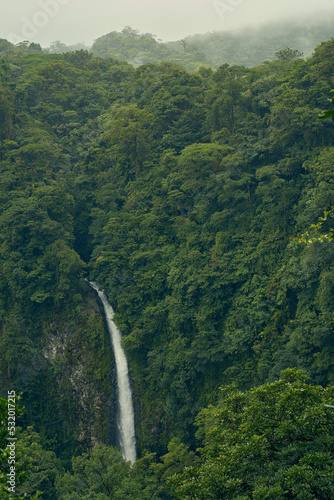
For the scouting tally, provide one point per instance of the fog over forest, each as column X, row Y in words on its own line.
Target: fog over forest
column 73, row 21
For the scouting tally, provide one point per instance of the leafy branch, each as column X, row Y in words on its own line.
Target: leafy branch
column 308, row 238
column 329, row 113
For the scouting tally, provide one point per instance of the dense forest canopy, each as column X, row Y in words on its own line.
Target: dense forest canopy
column 184, row 195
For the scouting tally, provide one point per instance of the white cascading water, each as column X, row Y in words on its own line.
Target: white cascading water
column 125, row 418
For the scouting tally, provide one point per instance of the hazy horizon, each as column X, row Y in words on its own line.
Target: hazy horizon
column 83, row 21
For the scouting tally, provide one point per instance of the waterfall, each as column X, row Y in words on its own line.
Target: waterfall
column 125, row 417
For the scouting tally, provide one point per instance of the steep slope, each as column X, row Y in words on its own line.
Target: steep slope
column 181, row 194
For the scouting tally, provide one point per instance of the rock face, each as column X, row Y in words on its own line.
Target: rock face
column 82, row 349
column 69, row 387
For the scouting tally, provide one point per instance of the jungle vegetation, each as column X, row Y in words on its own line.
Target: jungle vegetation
column 184, row 195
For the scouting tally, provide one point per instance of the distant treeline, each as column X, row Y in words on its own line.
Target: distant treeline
column 249, row 46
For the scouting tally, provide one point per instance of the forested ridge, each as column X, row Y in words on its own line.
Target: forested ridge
column 187, row 196
column 248, row 46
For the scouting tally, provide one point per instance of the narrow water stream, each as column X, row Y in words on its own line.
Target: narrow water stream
column 125, row 416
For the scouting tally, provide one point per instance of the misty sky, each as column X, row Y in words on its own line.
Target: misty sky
column 73, row 21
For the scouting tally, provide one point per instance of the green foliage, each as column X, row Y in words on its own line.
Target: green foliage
column 102, row 475
column 43, row 467
column 22, row 459
column 330, row 113
column 6, row 111
column 274, row 441
column 193, row 249
column 315, row 228
column 182, row 194
column 288, row 54
column 38, row 263
column 139, row 49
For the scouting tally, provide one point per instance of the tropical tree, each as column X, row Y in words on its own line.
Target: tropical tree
column 103, row 475
column 274, row 441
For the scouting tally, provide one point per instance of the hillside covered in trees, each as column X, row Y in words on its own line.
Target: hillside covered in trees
column 196, row 200
column 252, row 45
column 247, row 46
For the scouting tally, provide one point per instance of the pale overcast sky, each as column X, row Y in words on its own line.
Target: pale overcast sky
column 73, row 21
